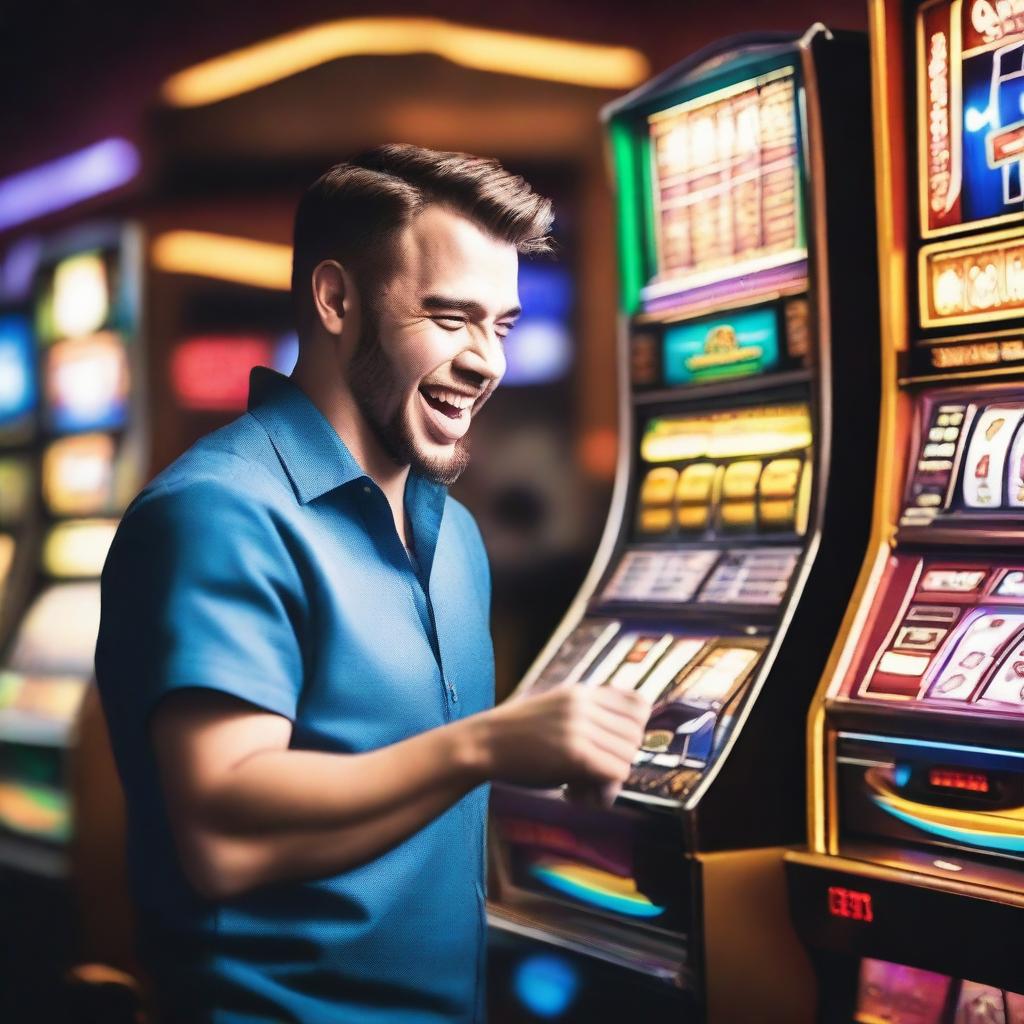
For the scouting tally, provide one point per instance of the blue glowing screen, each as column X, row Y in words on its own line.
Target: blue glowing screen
column 539, row 349
column 546, row 984
column 18, row 387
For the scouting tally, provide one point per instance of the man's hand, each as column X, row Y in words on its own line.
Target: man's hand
column 575, row 734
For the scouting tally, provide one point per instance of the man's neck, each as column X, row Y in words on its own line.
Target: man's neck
column 331, row 396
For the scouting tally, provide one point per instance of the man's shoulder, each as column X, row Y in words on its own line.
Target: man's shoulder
column 235, row 465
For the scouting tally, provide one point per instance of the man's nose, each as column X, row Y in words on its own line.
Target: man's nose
column 484, row 357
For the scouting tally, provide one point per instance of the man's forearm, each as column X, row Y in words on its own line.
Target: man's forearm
column 285, row 814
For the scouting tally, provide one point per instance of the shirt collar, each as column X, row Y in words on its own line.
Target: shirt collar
column 313, row 455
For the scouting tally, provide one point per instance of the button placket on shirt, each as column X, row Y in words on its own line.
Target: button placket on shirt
column 451, row 694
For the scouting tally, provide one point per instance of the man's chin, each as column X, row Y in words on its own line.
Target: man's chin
column 444, row 465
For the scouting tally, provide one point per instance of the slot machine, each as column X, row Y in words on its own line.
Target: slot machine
column 911, row 890
column 18, row 400
column 748, row 396
column 75, row 478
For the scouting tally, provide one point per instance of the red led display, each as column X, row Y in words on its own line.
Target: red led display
column 211, row 373
column 954, row 778
column 849, row 903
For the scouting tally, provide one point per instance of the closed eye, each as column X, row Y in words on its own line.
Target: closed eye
column 450, row 323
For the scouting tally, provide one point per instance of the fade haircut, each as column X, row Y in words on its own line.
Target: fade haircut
column 353, row 213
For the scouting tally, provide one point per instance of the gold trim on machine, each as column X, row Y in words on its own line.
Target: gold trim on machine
column 821, row 803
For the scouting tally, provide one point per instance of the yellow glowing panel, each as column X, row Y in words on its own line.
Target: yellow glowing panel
column 78, row 548
column 78, row 474
column 739, row 433
column 695, row 482
column 6, row 558
column 780, row 478
column 58, row 634
column 738, row 514
column 15, row 489
column 778, row 513
column 658, row 486
column 81, row 299
column 655, row 520
column 693, row 517
column 740, row 480
column 54, row 697
column 508, row 53
column 226, row 258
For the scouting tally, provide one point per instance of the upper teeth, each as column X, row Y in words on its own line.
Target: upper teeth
column 451, row 397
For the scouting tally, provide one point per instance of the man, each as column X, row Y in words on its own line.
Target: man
column 294, row 656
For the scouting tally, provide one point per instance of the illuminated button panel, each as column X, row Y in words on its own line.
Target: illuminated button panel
column 752, row 577
column 957, row 641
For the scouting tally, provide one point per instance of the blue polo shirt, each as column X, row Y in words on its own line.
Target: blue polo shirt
column 265, row 564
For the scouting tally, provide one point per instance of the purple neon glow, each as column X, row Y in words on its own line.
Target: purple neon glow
column 762, row 280
column 68, row 180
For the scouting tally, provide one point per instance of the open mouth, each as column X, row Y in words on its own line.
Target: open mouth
column 449, row 411
column 451, row 403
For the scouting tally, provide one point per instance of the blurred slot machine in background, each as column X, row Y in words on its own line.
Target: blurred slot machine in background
column 19, row 397
column 911, row 892
column 748, row 390
column 87, row 456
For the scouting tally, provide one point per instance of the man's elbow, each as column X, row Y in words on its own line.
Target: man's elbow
column 219, row 867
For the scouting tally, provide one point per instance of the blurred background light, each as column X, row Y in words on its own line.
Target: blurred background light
column 509, row 53
column 227, row 258
column 80, row 296
column 212, row 373
column 17, row 369
column 546, row 985
column 67, row 180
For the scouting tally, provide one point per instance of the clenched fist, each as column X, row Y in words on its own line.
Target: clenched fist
column 574, row 734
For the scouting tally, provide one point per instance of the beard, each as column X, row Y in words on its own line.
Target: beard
column 372, row 379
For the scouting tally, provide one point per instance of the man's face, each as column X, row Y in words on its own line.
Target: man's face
column 431, row 349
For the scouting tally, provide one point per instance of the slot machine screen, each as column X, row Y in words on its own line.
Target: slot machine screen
column 971, row 97
column 75, row 296
column 742, row 343
column 78, row 548
column 17, row 374
column 726, row 182
column 78, row 475
column 58, row 634
column 87, row 381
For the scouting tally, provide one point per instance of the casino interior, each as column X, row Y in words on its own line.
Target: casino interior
column 758, row 454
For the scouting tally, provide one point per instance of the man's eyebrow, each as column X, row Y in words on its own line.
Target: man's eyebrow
column 472, row 309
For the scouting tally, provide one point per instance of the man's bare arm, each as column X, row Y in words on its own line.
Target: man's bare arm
column 246, row 810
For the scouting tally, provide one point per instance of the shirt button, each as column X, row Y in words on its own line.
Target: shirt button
column 453, row 693
column 366, row 490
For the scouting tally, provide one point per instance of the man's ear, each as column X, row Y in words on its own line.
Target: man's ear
column 334, row 295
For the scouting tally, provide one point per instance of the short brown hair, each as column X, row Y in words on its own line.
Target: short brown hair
column 352, row 212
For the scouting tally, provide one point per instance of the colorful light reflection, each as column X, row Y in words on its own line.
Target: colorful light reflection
column 66, row 181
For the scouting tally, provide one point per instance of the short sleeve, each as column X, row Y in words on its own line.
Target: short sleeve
column 199, row 590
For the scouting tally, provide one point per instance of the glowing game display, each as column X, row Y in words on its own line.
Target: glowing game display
column 729, row 434
column 87, row 382
column 17, row 372
column 727, row 184
column 745, row 342
column 81, row 299
column 58, row 634
column 78, row 548
column 78, row 474
column 970, row 59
